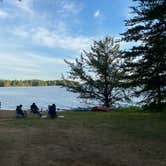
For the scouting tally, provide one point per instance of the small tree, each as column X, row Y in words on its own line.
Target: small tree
column 98, row 72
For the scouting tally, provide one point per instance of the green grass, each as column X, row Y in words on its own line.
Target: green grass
column 85, row 138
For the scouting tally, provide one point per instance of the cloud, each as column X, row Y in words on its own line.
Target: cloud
column 37, row 8
column 17, row 62
column 25, row 5
column 3, row 14
column 29, row 65
column 30, row 31
column 40, row 29
column 97, row 14
column 53, row 39
column 69, row 7
column 19, row 12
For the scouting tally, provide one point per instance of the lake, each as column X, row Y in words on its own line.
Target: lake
column 42, row 96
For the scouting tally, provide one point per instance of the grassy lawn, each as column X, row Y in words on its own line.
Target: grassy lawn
column 85, row 138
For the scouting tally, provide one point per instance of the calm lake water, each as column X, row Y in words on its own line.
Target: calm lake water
column 42, row 96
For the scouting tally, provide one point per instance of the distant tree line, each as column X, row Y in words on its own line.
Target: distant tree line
column 35, row 82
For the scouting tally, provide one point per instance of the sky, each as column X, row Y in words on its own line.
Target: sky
column 37, row 35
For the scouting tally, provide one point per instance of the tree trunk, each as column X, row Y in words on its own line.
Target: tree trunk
column 106, row 99
column 106, row 102
column 106, row 96
column 159, row 98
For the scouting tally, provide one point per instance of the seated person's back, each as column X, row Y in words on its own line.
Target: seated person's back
column 19, row 111
column 52, row 111
column 35, row 109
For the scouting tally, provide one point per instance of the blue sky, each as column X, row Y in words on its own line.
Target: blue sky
column 37, row 35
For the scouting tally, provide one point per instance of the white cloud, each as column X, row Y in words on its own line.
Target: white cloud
column 45, row 59
column 62, row 9
column 3, row 14
column 97, row 14
column 21, row 65
column 25, row 5
column 38, row 27
column 33, row 27
column 69, row 7
column 17, row 62
column 53, row 39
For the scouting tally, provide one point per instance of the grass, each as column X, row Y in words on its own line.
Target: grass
column 84, row 138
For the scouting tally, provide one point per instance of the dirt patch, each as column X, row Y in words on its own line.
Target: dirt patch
column 4, row 114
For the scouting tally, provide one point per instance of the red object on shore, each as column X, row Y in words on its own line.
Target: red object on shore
column 100, row 108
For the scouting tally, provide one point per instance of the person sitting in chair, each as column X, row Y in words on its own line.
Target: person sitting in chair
column 35, row 109
column 52, row 111
column 19, row 111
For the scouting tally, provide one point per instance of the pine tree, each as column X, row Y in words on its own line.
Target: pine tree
column 99, row 73
column 145, row 62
